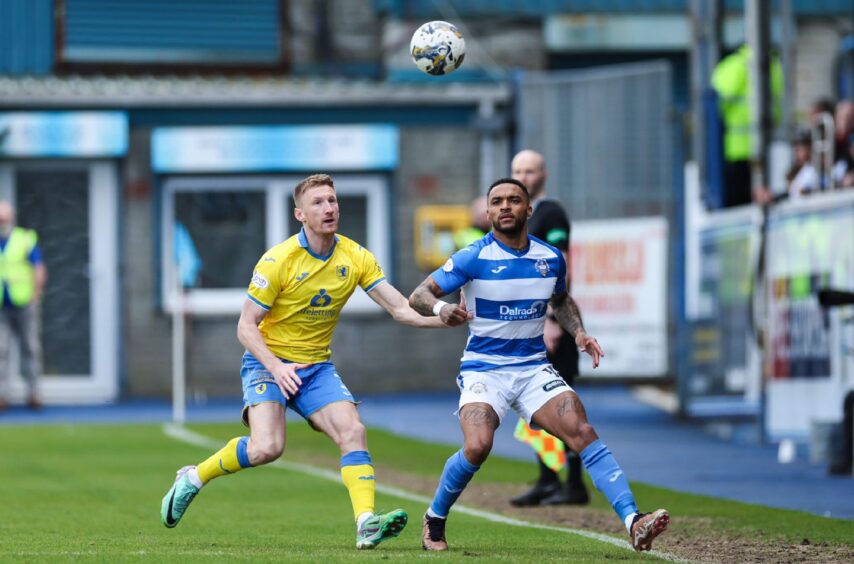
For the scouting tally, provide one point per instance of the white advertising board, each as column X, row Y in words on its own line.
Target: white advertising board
column 809, row 359
column 619, row 280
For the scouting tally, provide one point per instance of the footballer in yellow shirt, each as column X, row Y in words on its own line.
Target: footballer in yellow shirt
column 303, row 293
column 293, row 304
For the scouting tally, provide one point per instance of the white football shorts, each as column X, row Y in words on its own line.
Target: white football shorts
column 525, row 391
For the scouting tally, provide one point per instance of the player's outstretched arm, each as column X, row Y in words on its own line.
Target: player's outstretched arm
column 566, row 311
column 250, row 337
column 425, row 300
column 391, row 300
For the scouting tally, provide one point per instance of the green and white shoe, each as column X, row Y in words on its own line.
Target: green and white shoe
column 380, row 527
column 178, row 498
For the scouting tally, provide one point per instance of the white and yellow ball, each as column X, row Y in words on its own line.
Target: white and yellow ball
column 438, row 48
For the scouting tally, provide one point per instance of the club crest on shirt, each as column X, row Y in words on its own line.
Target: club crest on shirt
column 542, row 267
column 478, row 388
column 342, row 271
column 449, row 265
column 259, row 280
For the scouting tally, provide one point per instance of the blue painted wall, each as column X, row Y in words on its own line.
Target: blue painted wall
column 26, row 37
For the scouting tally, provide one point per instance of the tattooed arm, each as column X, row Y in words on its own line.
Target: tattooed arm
column 567, row 314
column 425, row 298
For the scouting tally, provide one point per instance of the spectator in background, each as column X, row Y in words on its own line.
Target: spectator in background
column 23, row 276
column 847, row 180
column 479, row 224
column 802, row 177
column 843, row 128
column 843, row 124
column 821, row 106
column 731, row 82
column 820, row 117
column 841, row 461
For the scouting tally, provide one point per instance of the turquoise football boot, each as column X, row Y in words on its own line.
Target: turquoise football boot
column 380, row 527
column 178, row 498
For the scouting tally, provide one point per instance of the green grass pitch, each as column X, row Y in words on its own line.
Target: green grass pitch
column 92, row 493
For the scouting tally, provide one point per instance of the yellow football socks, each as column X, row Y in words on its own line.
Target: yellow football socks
column 230, row 459
column 357, row 473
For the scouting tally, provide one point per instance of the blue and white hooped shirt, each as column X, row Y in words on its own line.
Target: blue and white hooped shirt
column 508, row 291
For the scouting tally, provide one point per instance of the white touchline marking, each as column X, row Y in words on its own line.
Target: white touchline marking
column 185, row 435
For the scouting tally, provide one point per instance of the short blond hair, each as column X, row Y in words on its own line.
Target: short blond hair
column 311, row 182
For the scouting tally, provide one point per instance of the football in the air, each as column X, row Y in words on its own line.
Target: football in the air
column 438, row 48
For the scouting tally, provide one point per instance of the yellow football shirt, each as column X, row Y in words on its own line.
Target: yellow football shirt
column 304, row 294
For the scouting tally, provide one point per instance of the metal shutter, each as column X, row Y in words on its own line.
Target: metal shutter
column 26, row 36
column 170, row 31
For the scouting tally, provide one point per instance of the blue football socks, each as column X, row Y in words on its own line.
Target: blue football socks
column 609, row 478
column 455, row 477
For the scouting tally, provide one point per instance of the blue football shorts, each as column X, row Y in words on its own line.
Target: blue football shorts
column 321, row 385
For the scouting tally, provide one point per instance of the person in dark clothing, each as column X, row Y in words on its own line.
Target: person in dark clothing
column 550, row 223
column 842, row 460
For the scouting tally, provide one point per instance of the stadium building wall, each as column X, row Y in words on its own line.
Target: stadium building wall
column 372, row 352
column 440, row 154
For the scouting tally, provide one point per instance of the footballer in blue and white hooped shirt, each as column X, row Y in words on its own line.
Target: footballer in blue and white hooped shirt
column 508, row 291
column 508, row 278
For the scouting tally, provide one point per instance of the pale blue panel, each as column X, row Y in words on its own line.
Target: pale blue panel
column 275, row 148
column 63, row 134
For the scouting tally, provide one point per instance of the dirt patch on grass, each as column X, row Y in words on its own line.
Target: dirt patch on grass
column 689, row 538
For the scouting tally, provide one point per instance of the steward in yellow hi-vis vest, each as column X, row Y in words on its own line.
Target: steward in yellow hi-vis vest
column 731, row 82
column 16, row 266
column 22, row 276
column 295, row 297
